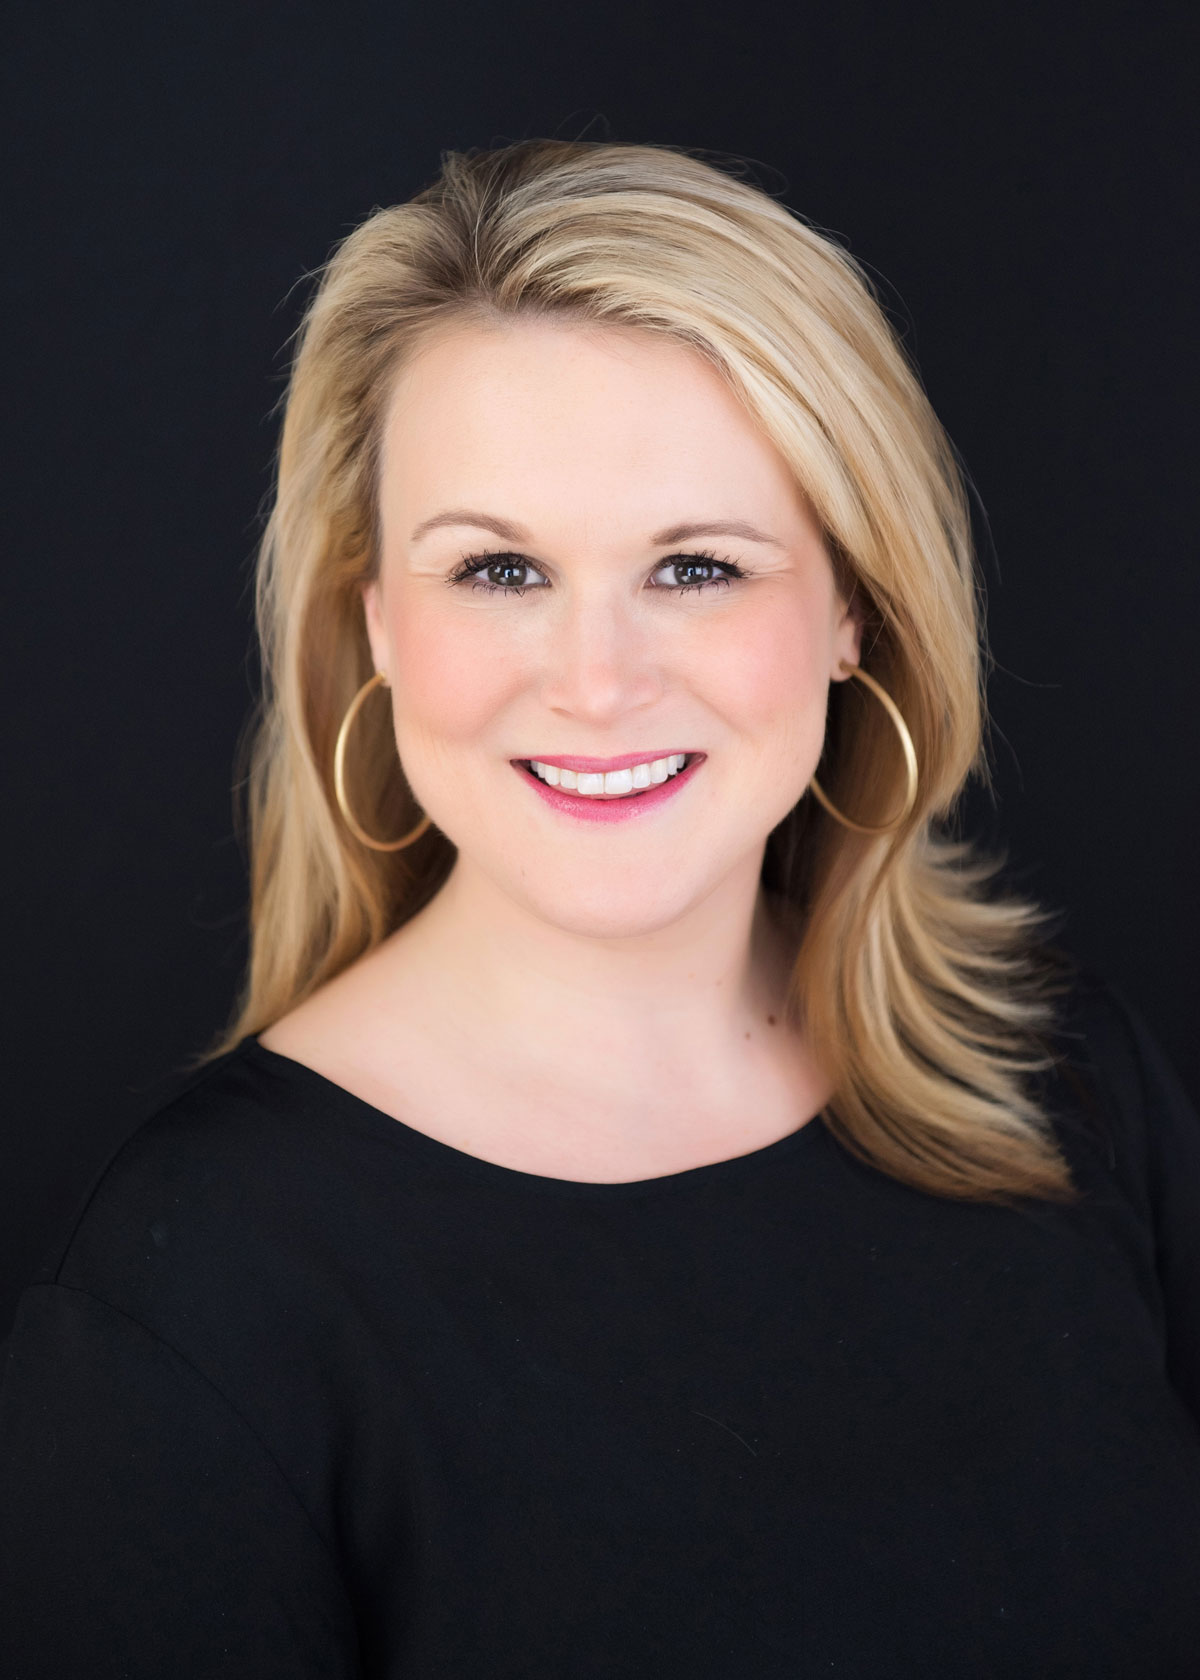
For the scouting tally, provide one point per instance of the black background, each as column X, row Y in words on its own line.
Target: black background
column 1022, row 178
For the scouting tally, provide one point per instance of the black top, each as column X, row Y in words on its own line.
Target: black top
column 307, row 1393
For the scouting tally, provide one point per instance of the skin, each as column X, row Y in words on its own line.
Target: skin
column 585, row 1000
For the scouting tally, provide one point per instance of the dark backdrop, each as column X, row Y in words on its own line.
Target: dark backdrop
column 1021, row 177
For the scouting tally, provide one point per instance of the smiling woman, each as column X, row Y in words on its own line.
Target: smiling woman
column 658, row 1209
column 476, row 361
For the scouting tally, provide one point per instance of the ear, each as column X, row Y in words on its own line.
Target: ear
column 847, row 638
column 372, row 597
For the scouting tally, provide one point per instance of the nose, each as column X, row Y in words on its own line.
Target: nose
column 599, row 660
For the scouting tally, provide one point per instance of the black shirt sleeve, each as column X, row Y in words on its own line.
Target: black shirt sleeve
column 1143, row 1144
column 144, row 1529
column 1145, row 1084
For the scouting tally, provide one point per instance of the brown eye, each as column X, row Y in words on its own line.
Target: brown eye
column 507, row 572
column 697, row 571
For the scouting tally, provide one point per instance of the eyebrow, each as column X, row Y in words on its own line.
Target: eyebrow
column 509, row 532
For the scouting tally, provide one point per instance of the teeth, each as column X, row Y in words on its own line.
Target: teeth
column 592, row 784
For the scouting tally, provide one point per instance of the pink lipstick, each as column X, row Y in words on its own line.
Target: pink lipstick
column 617, row 807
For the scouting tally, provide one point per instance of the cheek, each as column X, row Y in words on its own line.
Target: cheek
column 453, row 674
column 766, row 671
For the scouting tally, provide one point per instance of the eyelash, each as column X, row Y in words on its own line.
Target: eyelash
column 471, row 564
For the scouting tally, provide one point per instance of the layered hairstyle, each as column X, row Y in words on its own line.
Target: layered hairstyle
column 920, row 983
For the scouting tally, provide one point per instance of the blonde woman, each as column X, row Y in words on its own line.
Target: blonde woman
column 658, row 1211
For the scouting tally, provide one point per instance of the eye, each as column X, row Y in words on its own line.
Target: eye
column 495, row 571
column 697, row 571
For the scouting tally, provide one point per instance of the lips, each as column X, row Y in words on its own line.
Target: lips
column 599, row 808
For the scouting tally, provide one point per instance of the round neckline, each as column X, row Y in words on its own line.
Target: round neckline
column 478, row 1167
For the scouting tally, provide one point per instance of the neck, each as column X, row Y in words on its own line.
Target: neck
column 678, row 999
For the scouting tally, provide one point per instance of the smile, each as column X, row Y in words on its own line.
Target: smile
column 610, row 784
column 636, row 788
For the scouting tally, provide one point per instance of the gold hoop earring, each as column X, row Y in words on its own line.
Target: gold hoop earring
column 910, row 761
column 339, row 778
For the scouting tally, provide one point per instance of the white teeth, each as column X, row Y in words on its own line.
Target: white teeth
column 587, row 783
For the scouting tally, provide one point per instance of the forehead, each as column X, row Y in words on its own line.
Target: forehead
column 591, row 416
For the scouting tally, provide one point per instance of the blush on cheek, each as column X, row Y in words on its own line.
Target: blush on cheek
column 770, row 681
column 452, row 679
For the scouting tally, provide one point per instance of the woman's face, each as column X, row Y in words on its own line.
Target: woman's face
column 590, row 552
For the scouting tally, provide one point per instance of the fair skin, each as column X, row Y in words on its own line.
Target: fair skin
column 588, row 1000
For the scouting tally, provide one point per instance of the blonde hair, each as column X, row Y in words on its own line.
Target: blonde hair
column 921, row 987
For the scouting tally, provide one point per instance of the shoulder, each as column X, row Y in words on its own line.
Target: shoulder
column 222, row 1191
column 1113, row 1090
column 1153, row 1157
column 1131, row 1133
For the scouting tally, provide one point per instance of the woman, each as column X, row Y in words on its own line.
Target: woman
column 658, row 1211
